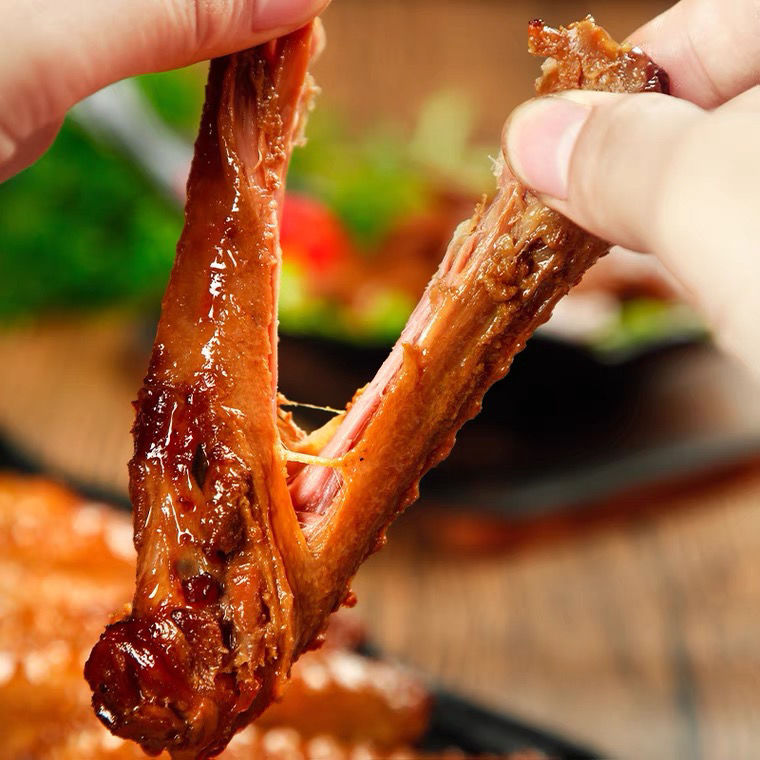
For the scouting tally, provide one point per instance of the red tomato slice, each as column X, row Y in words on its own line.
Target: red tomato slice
column 312, row 235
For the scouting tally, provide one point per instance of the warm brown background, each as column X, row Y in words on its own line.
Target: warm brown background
column 639, row 634
column 385, row 57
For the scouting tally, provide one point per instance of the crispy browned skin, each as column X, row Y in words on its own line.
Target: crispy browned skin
column 65, row 566
column 344, row 695
column 584, row 57
column 214, row 628
column 241, row 557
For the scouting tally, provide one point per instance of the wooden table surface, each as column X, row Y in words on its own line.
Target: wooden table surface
column 641, row 638
column 638, row 634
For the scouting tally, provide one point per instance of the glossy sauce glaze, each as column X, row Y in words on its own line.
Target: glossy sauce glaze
column 212, row 630
column 248, row 531
column 66, row 564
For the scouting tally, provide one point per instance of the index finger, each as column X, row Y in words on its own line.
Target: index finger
column 711, row 50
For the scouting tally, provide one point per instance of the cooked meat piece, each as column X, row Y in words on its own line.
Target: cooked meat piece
column 584, row 57
column 214, row 626
column 244, row 546
column 66, row 565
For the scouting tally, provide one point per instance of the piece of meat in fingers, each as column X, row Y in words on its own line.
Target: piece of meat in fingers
column 213, row 627
column 248, row 532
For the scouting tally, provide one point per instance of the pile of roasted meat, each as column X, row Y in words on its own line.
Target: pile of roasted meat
column 66, row 565
column 249, row 529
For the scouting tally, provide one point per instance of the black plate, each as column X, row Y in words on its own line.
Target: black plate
column 458, row 723
column 566, row 428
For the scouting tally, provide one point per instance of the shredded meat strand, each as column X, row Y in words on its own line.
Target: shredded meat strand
column 244, row 549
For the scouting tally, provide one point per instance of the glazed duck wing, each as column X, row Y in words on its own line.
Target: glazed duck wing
column 213, row 627
column 249, row 533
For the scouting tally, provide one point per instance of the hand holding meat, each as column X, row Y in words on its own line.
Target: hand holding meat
column 677, row 177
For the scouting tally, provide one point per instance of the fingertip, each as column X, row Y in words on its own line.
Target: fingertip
column 538, row 142
column 598, row 157
column 276, row 14
column 16, row 156
column 225, row 26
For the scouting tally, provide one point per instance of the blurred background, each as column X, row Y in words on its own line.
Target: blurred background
column 586, row 559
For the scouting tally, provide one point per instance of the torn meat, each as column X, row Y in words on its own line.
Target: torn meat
column 248, row 531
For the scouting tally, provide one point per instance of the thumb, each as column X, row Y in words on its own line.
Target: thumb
column 661, row 175
column 56, row 53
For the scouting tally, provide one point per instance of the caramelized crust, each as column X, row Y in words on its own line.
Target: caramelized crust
column 584, row 57
column 213, row 629
column 242, row 556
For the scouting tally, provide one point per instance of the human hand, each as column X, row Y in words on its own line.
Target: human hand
column 677, row 177
column 56, row 53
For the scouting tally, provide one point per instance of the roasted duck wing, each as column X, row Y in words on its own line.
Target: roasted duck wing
column 214, row 626
column 248, row 532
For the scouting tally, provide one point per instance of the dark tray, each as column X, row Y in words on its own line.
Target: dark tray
column 566, row 428
column 458, row 723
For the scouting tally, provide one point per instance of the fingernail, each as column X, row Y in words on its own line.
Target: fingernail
column 272, row 14
column 539, row 140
